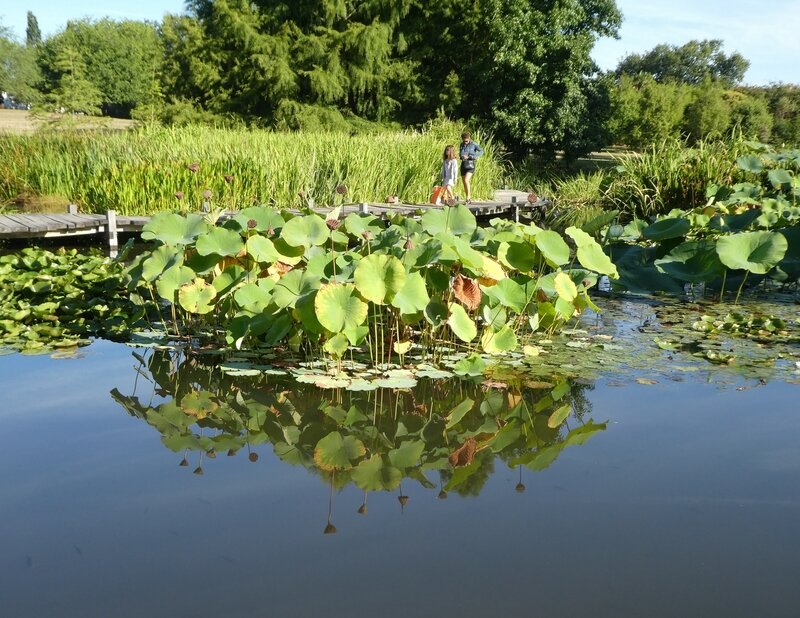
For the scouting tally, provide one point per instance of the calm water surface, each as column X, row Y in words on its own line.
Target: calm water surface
column 688, row 504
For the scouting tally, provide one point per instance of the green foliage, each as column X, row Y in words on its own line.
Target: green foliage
column 450, row 272
column 33, row 34
column 148, row 171
column 708, row 115
column 691, row 63
column 118, row 60
column 19, row 73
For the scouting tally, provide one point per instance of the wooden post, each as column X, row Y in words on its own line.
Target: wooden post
column 111, row 232
column 516, row 208
column 363, row 208
column 72, row 209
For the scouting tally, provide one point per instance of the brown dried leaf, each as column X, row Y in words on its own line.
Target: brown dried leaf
column 467, row 291
column 463, row 456
column 279, row 268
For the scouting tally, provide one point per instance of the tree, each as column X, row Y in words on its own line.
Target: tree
column 18, row 71
column 73, row 92
column 118, row 59
column 692, row 63
column 33, row 35
column 708, row 115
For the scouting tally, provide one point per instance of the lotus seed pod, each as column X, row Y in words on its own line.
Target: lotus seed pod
column 198, row 471
column 362, row 510
column 442, row 495
column 403, row 500
column 253, row 457
column 330, row 529
column 520, row 488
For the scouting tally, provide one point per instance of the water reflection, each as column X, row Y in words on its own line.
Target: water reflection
column 444, row 435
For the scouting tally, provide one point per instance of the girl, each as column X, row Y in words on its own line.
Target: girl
column 468, row 151
column 449, row 172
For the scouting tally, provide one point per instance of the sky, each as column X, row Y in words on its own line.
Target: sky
column 763, row 32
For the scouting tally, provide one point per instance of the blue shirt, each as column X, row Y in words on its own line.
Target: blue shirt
column 470, row 149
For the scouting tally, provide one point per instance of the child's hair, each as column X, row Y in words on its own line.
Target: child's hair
column 449, row 152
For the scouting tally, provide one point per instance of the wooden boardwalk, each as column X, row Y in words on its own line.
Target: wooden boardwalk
column 108, row 226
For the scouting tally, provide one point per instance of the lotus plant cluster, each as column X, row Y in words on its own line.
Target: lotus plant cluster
column 749, row 229
column 330, row 286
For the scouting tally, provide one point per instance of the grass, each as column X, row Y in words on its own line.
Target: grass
column 142, row 171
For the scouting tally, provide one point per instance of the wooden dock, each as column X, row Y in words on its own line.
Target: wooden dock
column 72, row 224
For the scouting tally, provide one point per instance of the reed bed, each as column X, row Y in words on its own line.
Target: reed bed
column 154, row 169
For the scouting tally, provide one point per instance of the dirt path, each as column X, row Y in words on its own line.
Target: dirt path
column 22, row 121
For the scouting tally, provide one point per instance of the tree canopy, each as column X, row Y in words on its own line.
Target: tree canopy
column 691, row 63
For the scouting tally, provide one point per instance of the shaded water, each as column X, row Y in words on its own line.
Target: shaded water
column 687, row 503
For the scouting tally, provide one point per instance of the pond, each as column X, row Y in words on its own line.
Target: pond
column 661, row 493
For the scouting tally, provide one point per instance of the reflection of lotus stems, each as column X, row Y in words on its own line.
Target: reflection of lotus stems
column 724, row 280
column 362, row 510
column 330, row 528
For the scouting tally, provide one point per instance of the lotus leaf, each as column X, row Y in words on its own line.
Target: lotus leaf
column 750, row 163
column 508, row 293
column 457, row 220
column 305, row 231
column 461, row 324
column 262, row 249
column 290, row 287
column 174, row 229
column 473, row 365
column 161, row 259
column 553, row 247
column 664, row 229
column 694, row 261
column 408, row 454
column 565, row 287
column 254, row 297
column 756, row 252
column 499, row 342
column 413, row 297
column 375, row 474
column 220, row 241
column 262, row 217
column 517, row 255
column 197, row 297
column 780, row 178
column 334, row 452
column 173, row 279
column 379, row 277
column 337, row 345
column 339, row 308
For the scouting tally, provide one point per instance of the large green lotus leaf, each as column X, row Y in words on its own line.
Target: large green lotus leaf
column 197, row 297
column 553, row 247
column 379, row 277
column 495, row 316
column 262, row 249
column 334, row 452
column 357, row 335
column 221, row 241
column 517, row 255
column 750, row 163
column 473, row 365
column 664, row 229
column 287, row 253
column 469, row 257
column 339, row 308
column 734, row 223
column 507, row 293
column 756, row 252
column 159, row 260
column 305, row 310
column 305, row 231
column 425, row 252
column 292, row 286
column 457, row 220
column 263, row 217
column 254, row 297
column 593, row 257
column 565, row 287
column 790, row 264
column 277, row 328
column 461, row 324
column 637, row 273
column 500, row 342
column 436, row 313
column 336, row 346
column 172, row 279
column 408, row 454
column 174, row 229
column 780, row 178
column 357, row 224
column 580, row 237
column 202, row 264
column 413, row 296
column 228, row 279
column 694, row 261
column 375, row 474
